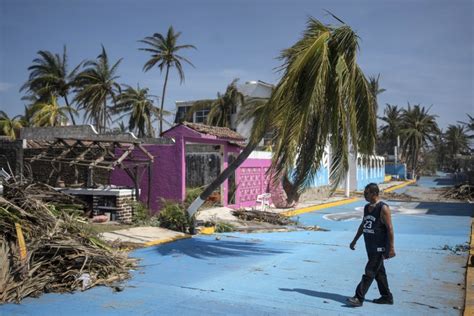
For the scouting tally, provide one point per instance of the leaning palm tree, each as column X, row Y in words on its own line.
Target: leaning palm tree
column 323, row 96
column 220, row 109
column 51, row 113
column 418, row 130
column 137, row 104
column 49, row 76
column 9, row 126
column 96, row 86
column 164, row 55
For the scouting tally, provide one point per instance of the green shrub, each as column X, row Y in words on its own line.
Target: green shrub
column 224, row 228
column 140, row 213
column 174, row 216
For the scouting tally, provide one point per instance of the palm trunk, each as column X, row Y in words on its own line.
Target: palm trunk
column 221, row 178
column 163, row 98
column 69, row 110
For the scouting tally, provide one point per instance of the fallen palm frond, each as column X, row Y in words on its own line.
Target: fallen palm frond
column 267, row 217
column 63, row 253
column 461, row 192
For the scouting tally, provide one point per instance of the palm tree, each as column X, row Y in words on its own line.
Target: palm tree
column 220, row 109
column 164, row 55
column 418, row 128
column 323, row 96
column 457, row 140
column 95, row 87
column 375, row 89
column 390, row 131
column 9, row 126
column 469, row 125
column 49, row 76
column 137, row 104
column 51, row 114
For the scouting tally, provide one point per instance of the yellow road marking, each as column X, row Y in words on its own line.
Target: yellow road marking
column 208, row 230
column 165, row 240
column 399, row 186
column 318, row 207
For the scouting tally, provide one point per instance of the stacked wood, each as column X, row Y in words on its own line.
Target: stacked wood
column 60, row 253
column 259, row 216
column 461, row 192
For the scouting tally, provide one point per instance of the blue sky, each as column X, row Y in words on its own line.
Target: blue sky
column 423, row 50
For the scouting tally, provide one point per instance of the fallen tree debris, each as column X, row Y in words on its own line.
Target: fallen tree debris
column 462, row 192
column 259, row 216
column 62, row 251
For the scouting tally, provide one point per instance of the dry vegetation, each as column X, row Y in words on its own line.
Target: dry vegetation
column 61, row 248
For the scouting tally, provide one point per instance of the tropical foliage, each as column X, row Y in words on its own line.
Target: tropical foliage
column 322, row 96
column 137, row 104
column 49, row 76
column 96, row 88
column 389, row 132
column 164, row 55
column 375, row 89
column 9, row 126
column 418, row 130
column 50, row 113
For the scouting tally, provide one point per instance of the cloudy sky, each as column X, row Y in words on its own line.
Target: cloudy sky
column 423, row 50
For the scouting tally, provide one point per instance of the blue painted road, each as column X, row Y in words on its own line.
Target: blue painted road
column 287, row 273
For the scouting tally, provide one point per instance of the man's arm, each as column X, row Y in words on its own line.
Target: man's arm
column 387, row 220
column 357, row 236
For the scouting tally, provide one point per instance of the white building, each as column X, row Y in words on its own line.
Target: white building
column 250, row 89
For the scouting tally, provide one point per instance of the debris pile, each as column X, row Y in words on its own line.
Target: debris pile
column 267, row 217
column 45, row 249
column 457, row 248
column 460, row 192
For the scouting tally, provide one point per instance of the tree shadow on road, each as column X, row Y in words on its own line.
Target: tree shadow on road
column 204, row 248
column 324, row 295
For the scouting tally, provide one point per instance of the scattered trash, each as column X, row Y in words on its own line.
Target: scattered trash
column 86, row 280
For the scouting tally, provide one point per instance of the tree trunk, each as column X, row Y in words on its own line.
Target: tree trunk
column 69, row 110
column 292, row 194
column 163, row 98
column 221, row 178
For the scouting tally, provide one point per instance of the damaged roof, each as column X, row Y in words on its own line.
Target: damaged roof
column 221, row 132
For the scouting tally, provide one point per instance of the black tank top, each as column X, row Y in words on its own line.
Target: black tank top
column 375, row 231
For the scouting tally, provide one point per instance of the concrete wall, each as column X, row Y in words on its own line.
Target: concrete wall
column 372, row 170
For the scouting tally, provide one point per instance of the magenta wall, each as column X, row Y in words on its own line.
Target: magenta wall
column 251, row 180
column 166, row 171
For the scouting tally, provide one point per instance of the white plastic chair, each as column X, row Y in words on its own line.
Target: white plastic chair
column 264, row 199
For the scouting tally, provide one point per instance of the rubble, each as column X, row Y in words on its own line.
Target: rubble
column 60, row 252
column 460, row 192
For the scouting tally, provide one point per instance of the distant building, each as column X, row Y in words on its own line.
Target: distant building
column 250, row 89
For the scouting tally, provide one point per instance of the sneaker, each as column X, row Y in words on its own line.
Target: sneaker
column 354, row 301
column 383, row 300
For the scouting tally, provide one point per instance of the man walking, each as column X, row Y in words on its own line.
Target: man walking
column 379, row 242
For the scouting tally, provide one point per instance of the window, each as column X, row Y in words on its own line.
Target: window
column 200, row 116
column 181, row 114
